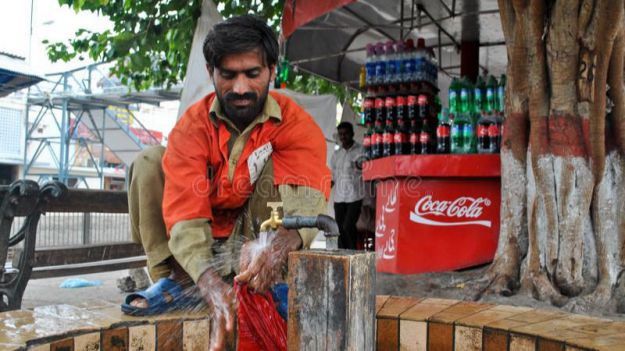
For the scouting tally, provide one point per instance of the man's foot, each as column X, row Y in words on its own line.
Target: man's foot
column 166, row 294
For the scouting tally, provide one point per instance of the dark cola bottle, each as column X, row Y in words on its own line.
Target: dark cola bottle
column 413, row 142
column 387, row 140
column 494, row 134
column 425, row 139
column 368, row 109
column 366, row 143
column 376, row 141
column 443, row 134
column 378, row 110
column 389, row 108
column 423, row 104
column 412, row 112
column 400, row 138
column 400, row 110
column 483, row 140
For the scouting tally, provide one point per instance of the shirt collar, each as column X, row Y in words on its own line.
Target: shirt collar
column 270, row 110
column 354, row 144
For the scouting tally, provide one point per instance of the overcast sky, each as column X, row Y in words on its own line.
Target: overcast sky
column 50, row 21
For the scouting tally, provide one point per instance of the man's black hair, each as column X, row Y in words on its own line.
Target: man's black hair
column 347, row 126
column 238, row 35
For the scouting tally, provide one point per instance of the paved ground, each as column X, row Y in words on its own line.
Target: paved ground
column 450, row 285
column 41, row 292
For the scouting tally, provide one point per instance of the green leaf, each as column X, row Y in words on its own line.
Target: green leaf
column 78, row 4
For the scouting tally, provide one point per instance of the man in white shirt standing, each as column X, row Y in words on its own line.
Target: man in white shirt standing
column 346, row 166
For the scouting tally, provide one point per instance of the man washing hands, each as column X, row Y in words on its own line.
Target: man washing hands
column 195, row 205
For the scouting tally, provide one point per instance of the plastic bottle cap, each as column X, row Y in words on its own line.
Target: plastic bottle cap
column 421, row 43
column 379, row 103
column 390, row 102
column 400, row 101
column 422, row 100
column 412, row 100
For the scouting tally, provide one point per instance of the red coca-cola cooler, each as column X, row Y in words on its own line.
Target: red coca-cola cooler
column 435, row 212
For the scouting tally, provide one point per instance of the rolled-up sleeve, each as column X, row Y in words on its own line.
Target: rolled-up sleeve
column 186, row 205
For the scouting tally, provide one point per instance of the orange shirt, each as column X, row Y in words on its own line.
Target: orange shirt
column 196, row 163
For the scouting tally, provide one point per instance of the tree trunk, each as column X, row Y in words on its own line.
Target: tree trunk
column 563, row 161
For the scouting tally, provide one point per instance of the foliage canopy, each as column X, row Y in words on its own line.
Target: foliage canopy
column 150, row 41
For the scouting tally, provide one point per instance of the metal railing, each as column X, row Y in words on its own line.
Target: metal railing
column 79, row 228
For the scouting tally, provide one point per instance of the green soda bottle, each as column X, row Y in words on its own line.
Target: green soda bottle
column 453, row 96
column 501, row 93
column 457, row 127
column 469, row 140
column 479, row 95
column 491, row 95
column 465, row 97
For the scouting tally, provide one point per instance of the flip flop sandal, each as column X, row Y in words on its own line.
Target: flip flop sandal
column 164, row 296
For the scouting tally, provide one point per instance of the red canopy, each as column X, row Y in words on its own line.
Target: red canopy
column 297, row 13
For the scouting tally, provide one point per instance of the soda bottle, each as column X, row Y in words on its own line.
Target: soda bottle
column 498, row 121
column 483, row 140
column 468, row 138
column 425, row 139
column 376, row 140
column 424, row 106
column 366, row 143
column 400, row 138
column 412, row 113
column 391, row 63
column 453, row 97
column 387, row 140
column 380, row 65
column 399, row 62
column 433, row 62
column 479, row 95
column 408, row 62
column 389, row 105
column 362, row 78
column 465, row 97
column 443, row 132
column 400, row 110
column 370, row 63
column 501, row 93
column 379, row 114
column 491, row 95
column 420, row 61
column 368, row 111
column 413, row 141
column 495, row 136
column 457, row 127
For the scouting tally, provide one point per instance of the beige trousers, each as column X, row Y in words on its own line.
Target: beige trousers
column 145, row 198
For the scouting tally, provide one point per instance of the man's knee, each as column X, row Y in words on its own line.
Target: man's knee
column 149, row 159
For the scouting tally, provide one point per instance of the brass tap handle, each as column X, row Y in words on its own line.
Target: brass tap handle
column 274, row 219
column 274, row 206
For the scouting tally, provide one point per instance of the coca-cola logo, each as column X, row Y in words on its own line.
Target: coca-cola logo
column 461, row 211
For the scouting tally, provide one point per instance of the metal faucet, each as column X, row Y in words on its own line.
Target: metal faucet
column 274, row 219
column 322, row 222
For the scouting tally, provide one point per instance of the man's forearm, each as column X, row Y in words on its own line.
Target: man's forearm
column 191, row 243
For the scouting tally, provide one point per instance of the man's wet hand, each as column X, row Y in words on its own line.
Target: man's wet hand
column 262, row 266
column 220, row 297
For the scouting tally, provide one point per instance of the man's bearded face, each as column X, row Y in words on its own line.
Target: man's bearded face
column 242, row 84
